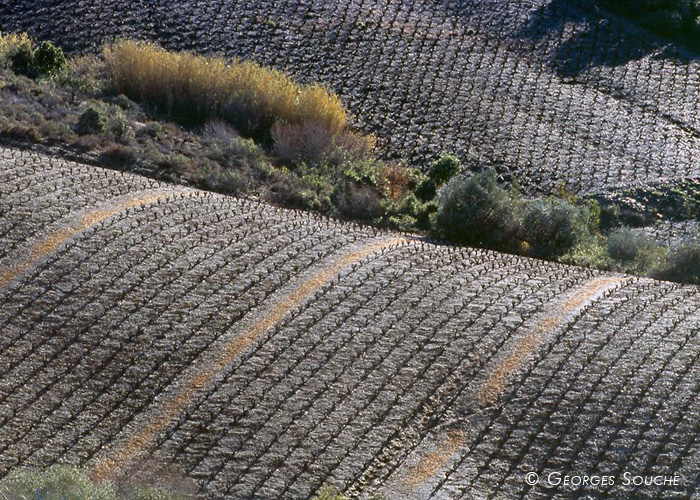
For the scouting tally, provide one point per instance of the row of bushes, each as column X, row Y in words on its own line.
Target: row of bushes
column 477, row 210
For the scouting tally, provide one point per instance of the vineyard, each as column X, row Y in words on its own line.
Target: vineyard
column 553, row 91
column 269, row 353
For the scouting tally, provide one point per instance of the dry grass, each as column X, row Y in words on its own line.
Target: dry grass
column 244, row 93
column 298, row 142
column 315, row 143
column 498, row 380
column 496, row 383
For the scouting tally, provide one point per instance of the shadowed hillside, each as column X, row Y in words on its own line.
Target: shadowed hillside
column 269, row 352
column 556, row 91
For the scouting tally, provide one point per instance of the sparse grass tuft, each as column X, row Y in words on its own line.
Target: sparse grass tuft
column 85, row 73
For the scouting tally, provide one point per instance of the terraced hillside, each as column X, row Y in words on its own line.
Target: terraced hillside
column 269, row 352
column 556, row 91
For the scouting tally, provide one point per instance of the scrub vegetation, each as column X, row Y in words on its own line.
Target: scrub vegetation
column 70, row 482
column 240, row 128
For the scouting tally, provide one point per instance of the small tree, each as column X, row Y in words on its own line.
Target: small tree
column 49, row 59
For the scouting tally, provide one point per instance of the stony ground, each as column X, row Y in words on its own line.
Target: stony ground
column 555, row 91
column 269, row 352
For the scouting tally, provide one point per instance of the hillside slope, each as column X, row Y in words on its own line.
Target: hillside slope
column 555, row 91
column 269, row 352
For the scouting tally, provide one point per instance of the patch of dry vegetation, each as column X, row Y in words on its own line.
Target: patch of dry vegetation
column 243, row 93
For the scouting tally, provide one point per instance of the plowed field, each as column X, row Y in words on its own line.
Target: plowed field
column 269, row 352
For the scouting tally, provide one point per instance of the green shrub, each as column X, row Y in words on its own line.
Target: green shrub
column 19, row 53
column 590, row 253
column 92, row 121
column 121, row 128
column 476, row 210
column 244, row 165
column 441, row 171
column 444, row 169
column 308, row 191
column 634, row 251
column 49, row 59
column 682, row 264
column 55, row 482
column 554, row 226
column 22, row 59
column 409, row 212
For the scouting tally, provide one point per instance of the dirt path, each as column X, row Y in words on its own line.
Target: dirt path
column 494, row 386
column 172, row 408
column 37, row 250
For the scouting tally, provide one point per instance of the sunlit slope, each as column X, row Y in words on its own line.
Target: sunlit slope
column 557, row 91
column 269, row 352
